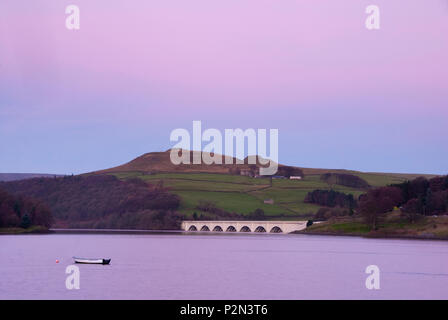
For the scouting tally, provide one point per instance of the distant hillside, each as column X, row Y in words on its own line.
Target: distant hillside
column 150, row 192
column 22, row 176
column 101, row 201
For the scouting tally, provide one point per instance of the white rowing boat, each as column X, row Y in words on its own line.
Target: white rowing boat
column 91, row 261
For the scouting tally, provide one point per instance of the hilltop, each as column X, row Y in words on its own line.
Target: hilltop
column 159, row 162
column 156, row 162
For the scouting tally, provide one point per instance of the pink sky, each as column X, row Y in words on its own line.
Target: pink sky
column 307, row 67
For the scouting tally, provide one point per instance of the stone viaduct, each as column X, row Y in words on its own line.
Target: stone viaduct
column 244, row 226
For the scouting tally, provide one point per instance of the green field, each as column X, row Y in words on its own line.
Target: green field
column 242, row 194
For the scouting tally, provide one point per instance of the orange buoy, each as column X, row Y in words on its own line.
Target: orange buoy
column 57, row 261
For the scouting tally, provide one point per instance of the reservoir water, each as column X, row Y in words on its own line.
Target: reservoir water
column 180, row 266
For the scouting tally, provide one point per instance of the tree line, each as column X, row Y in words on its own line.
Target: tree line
column 335, row 203
column 415, row 198
column 331, row 198
column 101, row 201
column 344, row 179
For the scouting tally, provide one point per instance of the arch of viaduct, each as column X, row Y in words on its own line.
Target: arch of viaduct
column 244, row 226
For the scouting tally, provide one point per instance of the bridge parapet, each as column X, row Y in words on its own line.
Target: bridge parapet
column 243, row 226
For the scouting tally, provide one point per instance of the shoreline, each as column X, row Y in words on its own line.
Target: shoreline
column 175, row 232
column 392, row 226
column 109, row 231
column 17, row 231
column 372, row 236
column 21, row 231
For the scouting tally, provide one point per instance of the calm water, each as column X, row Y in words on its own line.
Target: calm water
column 175, row 266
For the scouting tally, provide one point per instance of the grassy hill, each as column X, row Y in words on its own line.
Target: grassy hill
column 236, row 193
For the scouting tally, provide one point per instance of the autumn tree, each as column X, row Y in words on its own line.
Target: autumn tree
column 412, row 210
column 375, row 203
